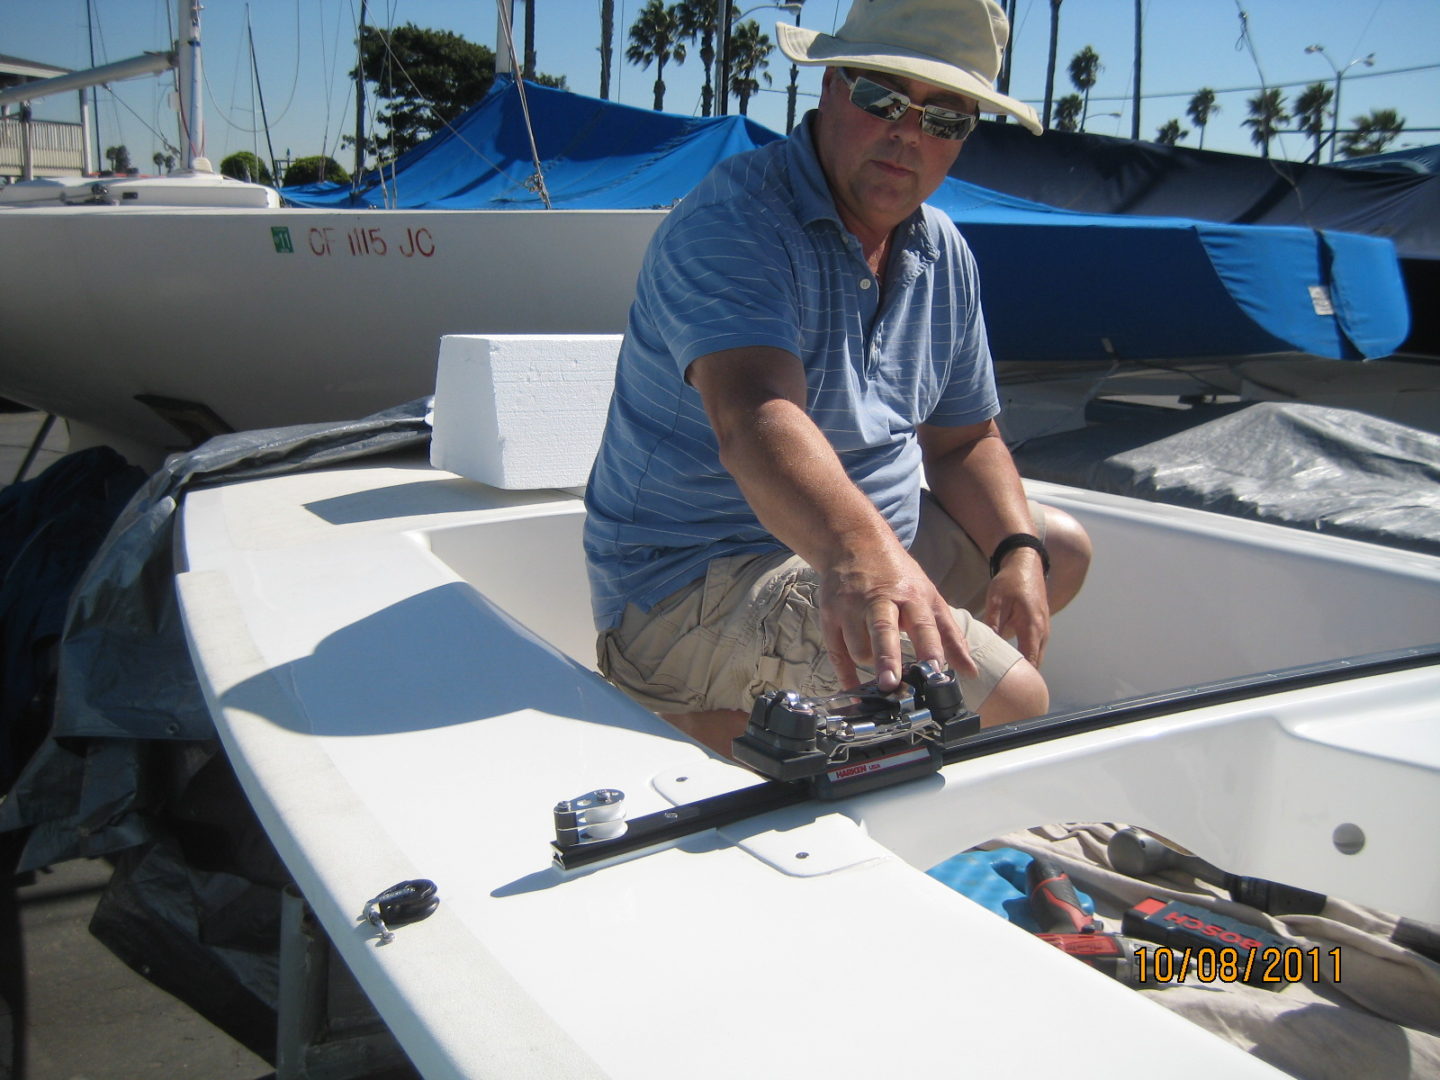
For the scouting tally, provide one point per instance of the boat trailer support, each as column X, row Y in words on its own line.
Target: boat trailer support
column 326, row 1029
column 35, row 446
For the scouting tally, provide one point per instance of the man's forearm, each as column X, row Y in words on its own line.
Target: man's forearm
column 978, row 485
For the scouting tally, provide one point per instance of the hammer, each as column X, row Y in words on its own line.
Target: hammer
column 1138, row 854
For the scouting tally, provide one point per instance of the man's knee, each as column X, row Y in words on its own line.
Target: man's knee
column 1019, row 695
column 1070, row 552
column 715, row 728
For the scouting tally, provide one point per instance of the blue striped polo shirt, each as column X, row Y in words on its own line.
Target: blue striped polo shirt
column 757, row 256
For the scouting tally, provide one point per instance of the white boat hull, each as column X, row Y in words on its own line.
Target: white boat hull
column 269, row 317
column 398, row 661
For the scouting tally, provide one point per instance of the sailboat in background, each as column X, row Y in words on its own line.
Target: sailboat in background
column 163, row 310
column 151, row 312
column 195, row 184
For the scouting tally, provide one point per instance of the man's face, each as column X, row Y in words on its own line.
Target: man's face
column 879, row 170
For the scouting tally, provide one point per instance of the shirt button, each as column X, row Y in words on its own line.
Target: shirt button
column 865, row 283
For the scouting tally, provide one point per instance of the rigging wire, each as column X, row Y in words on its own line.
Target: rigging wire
column 113, row 97
column 1355, row 49
column 537, row 182
column 294, row 75
column 444, row 123
column 294, row 84
column 1286, row 175
column 116, row 99
column 260, row 92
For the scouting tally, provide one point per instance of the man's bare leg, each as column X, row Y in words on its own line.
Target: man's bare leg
column 1070, row 551
column 716, row 728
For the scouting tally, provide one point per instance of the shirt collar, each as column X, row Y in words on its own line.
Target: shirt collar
column 813, row 200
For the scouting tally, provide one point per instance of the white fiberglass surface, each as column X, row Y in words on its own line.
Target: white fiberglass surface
column 1174, row 598
column 531, row 567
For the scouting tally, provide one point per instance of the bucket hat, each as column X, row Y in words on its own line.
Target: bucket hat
column 953, row 44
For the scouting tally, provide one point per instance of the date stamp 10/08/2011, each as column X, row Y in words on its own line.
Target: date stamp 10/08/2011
column 1270, row 967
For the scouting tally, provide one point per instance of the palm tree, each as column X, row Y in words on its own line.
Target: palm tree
column 1067, row 112
column 607, row 45
column 119, row 158
column 749, row 56
column 1373, row 133
column 1267, row 113
column 159, row 160
column 1054, row 46
column 529, row 62
column 1085, row 68
column 656, row 39
column 1171, row 133
column 1202, row 106
column 1310, row 108
column 698, row 23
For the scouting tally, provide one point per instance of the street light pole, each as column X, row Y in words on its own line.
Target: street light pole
column 1368, row 61
column 726, row 24
column 794, row 89
column 724, row 88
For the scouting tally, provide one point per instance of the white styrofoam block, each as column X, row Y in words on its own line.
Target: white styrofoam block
column 522, row 411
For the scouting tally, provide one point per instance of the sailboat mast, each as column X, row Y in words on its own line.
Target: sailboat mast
column 192, row 122
column 92, row 167
column 360, row 99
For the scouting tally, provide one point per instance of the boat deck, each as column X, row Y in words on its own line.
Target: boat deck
column 444, row 761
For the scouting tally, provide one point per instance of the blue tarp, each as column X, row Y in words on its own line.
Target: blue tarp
column 596, row 155
column 1058, row 284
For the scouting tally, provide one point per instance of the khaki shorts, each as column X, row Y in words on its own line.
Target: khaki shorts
column 751, row 625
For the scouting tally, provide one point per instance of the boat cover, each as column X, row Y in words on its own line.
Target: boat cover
column 1059, row 284
column 596, row 155
column 1419, row 159
column 1395, row 196
column 1310, row 467
column 1100, row 174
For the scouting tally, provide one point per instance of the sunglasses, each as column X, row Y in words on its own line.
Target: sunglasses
column 892, row 105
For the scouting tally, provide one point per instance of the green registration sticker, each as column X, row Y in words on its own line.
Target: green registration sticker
column 280, row 236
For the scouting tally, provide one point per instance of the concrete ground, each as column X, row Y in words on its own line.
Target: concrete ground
column 76, row 1012
column 89, row 1017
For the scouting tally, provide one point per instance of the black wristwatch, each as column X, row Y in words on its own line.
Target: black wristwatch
column 1018, row 540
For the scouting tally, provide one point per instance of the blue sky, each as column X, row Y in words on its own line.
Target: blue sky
column 303, row 49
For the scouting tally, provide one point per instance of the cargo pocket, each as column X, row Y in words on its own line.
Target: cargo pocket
column 789, row 636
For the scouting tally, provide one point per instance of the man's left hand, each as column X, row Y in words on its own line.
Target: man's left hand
column 1017, row 607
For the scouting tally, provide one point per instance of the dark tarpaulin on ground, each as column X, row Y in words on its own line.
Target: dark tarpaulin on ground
column 132, row 769
column 50, row 528
column 1311, row 467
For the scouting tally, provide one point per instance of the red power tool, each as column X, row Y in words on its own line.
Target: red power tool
column 1054, row 904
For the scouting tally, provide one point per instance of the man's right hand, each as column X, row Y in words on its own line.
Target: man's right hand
column 868, row 600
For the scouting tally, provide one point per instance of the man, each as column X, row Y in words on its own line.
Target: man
column 806, row 339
